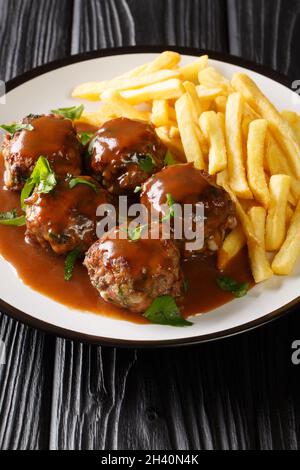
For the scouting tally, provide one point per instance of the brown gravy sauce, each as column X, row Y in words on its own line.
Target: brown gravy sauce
column 44, row 272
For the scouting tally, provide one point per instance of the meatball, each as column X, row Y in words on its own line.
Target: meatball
column 65, row 218
column 131, row 274
column 187, row 185
column 124, row 153
column 53, row 137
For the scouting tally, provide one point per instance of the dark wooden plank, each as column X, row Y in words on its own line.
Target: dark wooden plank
column 118, row 399
column 266, row 31
column 109, row 23
column 31, row 33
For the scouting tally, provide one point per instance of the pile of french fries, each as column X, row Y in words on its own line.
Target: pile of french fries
column 230, row 129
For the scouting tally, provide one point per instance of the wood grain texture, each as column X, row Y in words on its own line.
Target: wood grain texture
column 266, row 31
column 241, row 393
column 31, row 33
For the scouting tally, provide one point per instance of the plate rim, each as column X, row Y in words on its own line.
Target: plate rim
column 49, row 328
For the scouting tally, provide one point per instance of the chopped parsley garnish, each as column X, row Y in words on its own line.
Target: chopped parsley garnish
column 11, row 218
column 171, row 203
column 138, row 189
column 74, row 112
column 75, row 181
column 16, row 127
column 43, row 178
column 230, row 285
column 146, row 162
column 135, row 234
column 169, row 159
column 85, row 137
column 164, row 311
column 70, row 262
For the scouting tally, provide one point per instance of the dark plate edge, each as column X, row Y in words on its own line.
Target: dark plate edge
column 72, row 335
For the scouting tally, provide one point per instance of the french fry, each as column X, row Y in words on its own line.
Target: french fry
column 166, row 60
column 276, row 219
column 255, row 161
column 276, row 164
column 294, row 121
column 121, row 107
column 289, row 214
column 212, row 129
column 160, row 113
column 236, row 167
column 92, row 90
column 190, row 88
column 232, row 245
column 260, row 265
column 208, row 94
column 221, row 103
column 191, row 70
column 211, row 78
column 186, row 126
column 174, row 132
column 222, row 180
column 168, row 89
column 286, row 258
column 279, row 127
column 174, row 145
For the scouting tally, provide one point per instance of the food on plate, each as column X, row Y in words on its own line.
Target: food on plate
column 185, row 184
column 65, row 218
column 52, row 136
column 167, row 135
column 132, row 274
column 124, row 153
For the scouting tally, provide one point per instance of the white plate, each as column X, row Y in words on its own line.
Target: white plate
column 49, row 87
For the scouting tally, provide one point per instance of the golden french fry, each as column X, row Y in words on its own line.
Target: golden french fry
column 174, row 132
column 209, row 94
column 286, row 258
column 166, row 60
column 236, row 167
column 168, row 89
column 192, row 92
column 160, row 113
column 276, row 164
column 279, row 127
column 212, row 129
column 222, row 180
column 294, row 121
column 186, row 126
column 211, row 78
column 255, row 161
column 191, row 70
column 232, row 245
column 221, row 103
column 260, row 265
column 92, row 90
column 276, row 219
column 121, row 107
column 289, row 214
column 174, row 145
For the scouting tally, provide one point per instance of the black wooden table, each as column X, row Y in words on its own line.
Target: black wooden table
column 239, row 393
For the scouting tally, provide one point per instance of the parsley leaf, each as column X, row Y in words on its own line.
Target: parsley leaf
column 42, row 177
column 72, row 113
column 145, row 161
column 169, row 159
column 11, row 218
column 85, row 137
column 171, row 203
column 70, row 263
column 138, row 189
column 16, row 127
column 75, row 181
column 164, row 311
column 230, row 285
column 135, row 234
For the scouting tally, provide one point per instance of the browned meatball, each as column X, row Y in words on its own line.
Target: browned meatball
column 131, row 274
column 187, row 185
column 53, row 137
column 124, row 153
column 65, row 218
